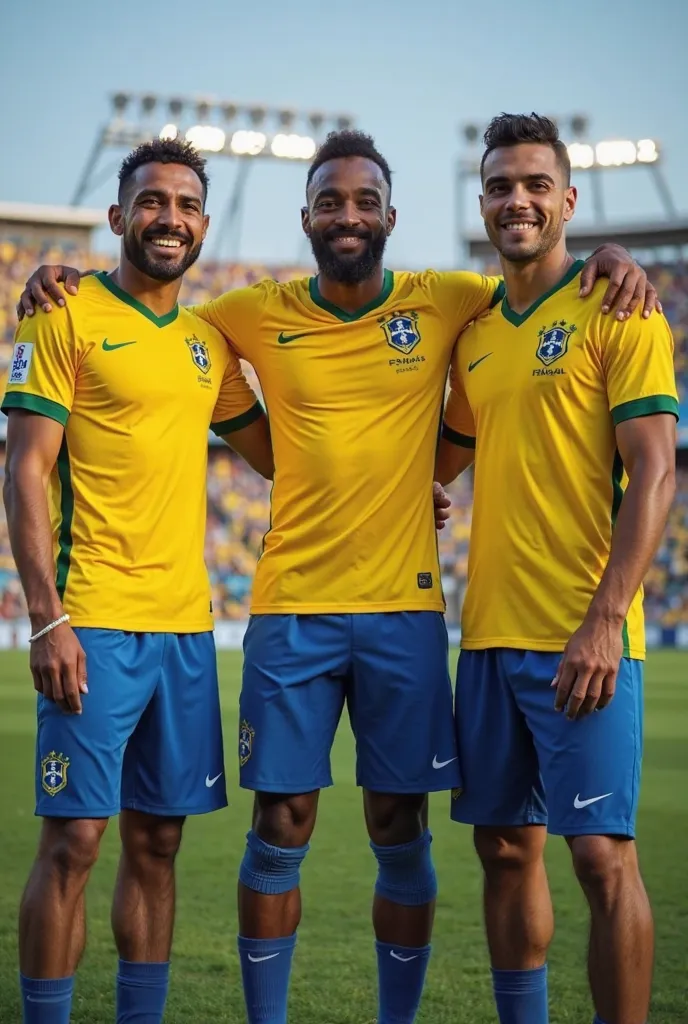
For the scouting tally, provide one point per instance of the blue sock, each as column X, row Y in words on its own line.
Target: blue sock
column 401, row 976
column 521, row 996
column 141, row 992
column 46, row 1000
column 266, row 970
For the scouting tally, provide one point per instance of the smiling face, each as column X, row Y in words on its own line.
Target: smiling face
column 348, row 218
column 161, row 219
column 526, row 201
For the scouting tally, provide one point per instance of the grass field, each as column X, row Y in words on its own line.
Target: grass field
column 334, row 976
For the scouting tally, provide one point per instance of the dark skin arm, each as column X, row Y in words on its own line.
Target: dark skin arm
column 586, row 677
column 58, row 662
column 628, row 284
column 452, row 460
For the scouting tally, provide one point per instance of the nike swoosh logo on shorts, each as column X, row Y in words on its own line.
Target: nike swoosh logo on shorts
column 259, row 959
column 211, row 782
column 593, row 800
column 404, row 959
column 441, row 764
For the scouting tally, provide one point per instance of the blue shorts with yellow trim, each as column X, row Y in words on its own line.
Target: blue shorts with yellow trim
column 149, row 737
column 525, row 763
column 390, row 668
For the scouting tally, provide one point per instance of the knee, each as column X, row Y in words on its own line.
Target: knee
column 285, row 821
column 71, row 846
column 147, row 839
column 601, row 864
column 393, row 820
column 509, row 852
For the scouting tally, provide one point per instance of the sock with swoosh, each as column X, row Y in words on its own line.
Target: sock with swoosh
column 265, row 971
column 46, row 1000
column 401, row 976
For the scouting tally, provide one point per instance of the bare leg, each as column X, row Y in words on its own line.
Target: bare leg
column 621, row 951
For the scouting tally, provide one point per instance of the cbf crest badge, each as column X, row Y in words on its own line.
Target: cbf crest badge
column 199, row 354
column 246, row 734
column 401, row 331
column 553, row 342
column 54, row 773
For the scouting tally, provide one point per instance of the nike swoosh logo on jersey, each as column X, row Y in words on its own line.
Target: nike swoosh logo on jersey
column 472, row 366
column 283, row 339
column 107, row 347
column 211, row 782
column 404, row 959
column 442, row 764
column 259, row 959
column 593, row 800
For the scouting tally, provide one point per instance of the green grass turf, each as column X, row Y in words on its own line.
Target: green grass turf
column 334, row 975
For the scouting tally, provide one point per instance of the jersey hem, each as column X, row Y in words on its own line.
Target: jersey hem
column 546, row 646
column 344, row 609
column 138, row 626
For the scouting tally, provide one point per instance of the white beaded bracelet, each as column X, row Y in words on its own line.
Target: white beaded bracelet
column 48, row 628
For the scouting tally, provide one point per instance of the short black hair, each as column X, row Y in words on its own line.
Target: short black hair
column 514, row 129
column 163, row 151
column 345, row 143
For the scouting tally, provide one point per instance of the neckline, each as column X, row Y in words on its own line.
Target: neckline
column 343, row 314
column 520, row 318
column 119, row 293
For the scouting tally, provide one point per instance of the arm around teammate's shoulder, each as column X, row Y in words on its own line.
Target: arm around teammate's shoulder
column 236, row 314
column 456, row 448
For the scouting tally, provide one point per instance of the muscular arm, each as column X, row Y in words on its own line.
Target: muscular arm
column 451, row 460
column 33, row 444
column 648, row 449
column 254, row 445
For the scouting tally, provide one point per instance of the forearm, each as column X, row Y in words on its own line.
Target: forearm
column 451, row 460
column 30, row 536
column 636, row 537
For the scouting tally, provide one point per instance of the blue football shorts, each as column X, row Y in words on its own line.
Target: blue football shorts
column 149, row 737
column 390, row 668
column 525, row 763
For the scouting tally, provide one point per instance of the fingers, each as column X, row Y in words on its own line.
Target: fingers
column 564, row 680
column 651, row 301
column 70, row 687
column 71, row 281
column 590, row 702
column 635, row 277
column 578, row 693
column 81, row 670
column 587, row 278
column 608, row 690
column 616, row 280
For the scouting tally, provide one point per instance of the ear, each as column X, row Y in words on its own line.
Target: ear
column 481, row 198
column 116, row 219
column 570, row 202
column 305, row 220
column 206, row 225
column 391, row 219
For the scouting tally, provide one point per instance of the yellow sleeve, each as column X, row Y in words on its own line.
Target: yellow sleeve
column 237, row 405
column 459, row 425
column 236, row 314
column 461, row 296
column 43, row 368
column 638, row 363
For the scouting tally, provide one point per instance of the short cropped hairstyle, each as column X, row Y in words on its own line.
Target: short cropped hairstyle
column 514, row 129
column 349, row 143
column 163, row 151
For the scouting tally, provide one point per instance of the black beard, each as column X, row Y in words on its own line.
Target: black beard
column 159, row 270
column 348, row 269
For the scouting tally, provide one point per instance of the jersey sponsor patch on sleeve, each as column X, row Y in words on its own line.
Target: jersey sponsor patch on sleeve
column 21, row 361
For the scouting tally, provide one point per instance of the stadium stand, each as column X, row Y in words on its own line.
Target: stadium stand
column 238, row 500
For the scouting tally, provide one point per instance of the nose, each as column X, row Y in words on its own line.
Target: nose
column 169, row 216
column 348, row 215
column 518, row 198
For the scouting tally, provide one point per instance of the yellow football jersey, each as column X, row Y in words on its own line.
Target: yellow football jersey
column 136, row 394
column 538, row 395
column 355, row 404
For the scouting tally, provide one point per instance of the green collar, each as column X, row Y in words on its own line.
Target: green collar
column 342, row 314
column 520, row 318
column 119, row 293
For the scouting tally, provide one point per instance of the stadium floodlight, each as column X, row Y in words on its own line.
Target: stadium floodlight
column 120, row 102
column 229, row 111
column 176, row 106
column 206, row 138
column 169, row 131
column 293, row 147
column 344, row 122
column 257, row 116
column 148, row 104
column 286, row 118
column 248, row 143
column 613, row 153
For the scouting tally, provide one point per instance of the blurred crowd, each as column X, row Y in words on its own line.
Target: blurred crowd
column 238, row 500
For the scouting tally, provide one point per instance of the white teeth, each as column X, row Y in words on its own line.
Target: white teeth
column 167, row 243
column 522, row 226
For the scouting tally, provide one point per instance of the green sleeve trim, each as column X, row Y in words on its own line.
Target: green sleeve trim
column 238, row 422
column 644, row 407
column 34, row 403
column 499, row 294
column 463, row 440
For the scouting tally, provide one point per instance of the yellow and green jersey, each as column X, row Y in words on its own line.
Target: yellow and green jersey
column 136, row 394
column 355, row 403
column 538, row 395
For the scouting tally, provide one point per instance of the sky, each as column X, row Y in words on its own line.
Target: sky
column 411, row 73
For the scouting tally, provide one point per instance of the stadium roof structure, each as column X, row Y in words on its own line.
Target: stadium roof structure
column 66, row 216
column 585, row 238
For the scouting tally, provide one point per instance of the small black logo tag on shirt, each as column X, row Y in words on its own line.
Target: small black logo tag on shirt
column 425, row 580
